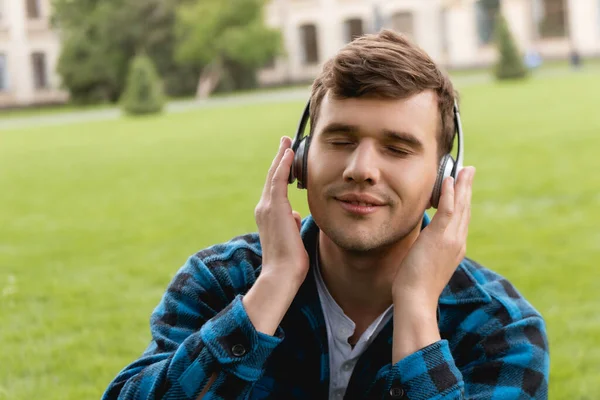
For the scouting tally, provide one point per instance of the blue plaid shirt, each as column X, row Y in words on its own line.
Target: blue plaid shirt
column 494, row 343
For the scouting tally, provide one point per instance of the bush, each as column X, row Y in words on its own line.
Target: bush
column 143, row 92
column 510, row 64
column 91, row 71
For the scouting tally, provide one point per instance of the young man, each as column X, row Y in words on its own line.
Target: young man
column 366, row 298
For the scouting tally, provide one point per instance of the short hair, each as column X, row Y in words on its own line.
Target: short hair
column 387, row 65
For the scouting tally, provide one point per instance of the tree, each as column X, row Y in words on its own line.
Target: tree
column 510, row 64
column 91, row 65
column 143, row 93
column 100, row 38
column 232, row 32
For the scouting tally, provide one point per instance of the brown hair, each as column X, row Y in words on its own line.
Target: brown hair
column 388, row 65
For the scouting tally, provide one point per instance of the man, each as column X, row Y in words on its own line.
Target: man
column 366, row 298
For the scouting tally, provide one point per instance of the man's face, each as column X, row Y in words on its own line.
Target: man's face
column 372, row 165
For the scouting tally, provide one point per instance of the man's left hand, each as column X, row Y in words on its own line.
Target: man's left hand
column 428, row 267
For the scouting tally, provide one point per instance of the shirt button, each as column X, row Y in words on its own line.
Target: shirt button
column 238, row 350
column 396, row 392
column 347, row 366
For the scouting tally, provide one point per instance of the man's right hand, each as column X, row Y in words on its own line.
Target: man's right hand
column 285, row 260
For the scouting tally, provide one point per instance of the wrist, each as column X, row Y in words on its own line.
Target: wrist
column 283, row 282
column 414, row 299
column 415, row 326
column 268, row 300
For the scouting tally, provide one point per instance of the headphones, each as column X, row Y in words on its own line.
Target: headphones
column 448, row 166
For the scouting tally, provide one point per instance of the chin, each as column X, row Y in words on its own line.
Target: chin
column 360, row 239
column 354, row 245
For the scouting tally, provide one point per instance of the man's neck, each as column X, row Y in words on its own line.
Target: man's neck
column 361, row 283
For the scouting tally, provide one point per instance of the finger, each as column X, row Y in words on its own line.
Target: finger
column 279, row 183
column 445, row 207
column 284, row 143
column 462, row 201
column 298, row 219
column 466, row 217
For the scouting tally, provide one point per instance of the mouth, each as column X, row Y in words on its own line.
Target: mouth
column 359, row 207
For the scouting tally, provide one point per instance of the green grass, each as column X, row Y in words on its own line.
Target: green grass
column 96, row 218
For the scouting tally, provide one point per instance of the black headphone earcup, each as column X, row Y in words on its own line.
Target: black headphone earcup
column 297, row 169
column 300, row 147
column 301, row 162
column 294, row 169
column 444, row 170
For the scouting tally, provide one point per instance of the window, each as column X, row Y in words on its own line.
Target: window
column 33, row 9
column 486, row 12
column 353, row 28
column 403, row 22
column 3, row 73
column 308, row 34
column 40, row 78
column 551, row 18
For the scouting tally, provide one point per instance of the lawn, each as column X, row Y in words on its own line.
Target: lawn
column 97, row 217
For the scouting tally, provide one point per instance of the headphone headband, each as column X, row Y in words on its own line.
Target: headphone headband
column 301, row 126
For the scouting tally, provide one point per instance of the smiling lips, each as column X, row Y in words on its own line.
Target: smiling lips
column 359, row 203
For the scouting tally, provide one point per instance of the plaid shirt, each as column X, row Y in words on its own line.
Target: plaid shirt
column 493, row 346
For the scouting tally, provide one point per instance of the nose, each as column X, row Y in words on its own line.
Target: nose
column 362, row 164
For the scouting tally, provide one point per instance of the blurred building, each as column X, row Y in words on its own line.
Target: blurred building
column 456, row 33
column 29, row 50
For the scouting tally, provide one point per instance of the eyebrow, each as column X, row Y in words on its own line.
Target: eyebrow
column 395, row 136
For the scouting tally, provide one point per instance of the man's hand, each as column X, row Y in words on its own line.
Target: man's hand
column 428, row 267
column 285, row 260
column 283, row 251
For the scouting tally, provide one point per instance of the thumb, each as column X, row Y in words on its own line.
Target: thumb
column 298, row 219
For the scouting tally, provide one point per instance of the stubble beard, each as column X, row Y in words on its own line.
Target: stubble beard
column 368, row 241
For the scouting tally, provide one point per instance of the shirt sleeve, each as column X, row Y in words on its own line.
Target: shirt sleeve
column 191, row 342
column 515, row 366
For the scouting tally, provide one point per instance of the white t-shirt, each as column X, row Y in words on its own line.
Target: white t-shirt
column 342, row 357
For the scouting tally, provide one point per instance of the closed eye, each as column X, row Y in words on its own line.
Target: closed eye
column 398, row 151
column 340, row 142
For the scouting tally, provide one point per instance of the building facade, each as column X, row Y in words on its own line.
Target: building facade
column 456, row 33
column 29, row 50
